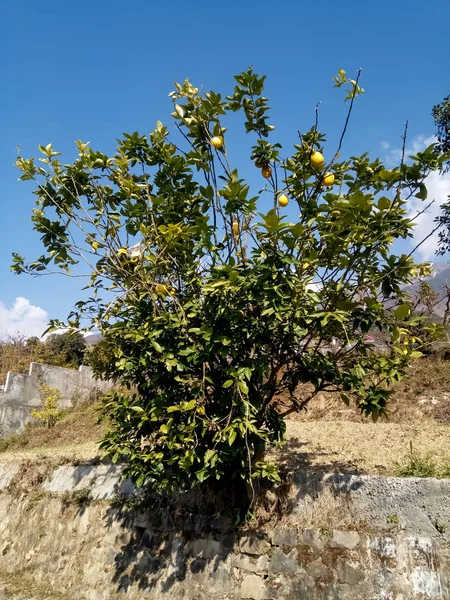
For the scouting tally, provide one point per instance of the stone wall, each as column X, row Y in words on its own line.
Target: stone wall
column 21, row 394
column 66, row 530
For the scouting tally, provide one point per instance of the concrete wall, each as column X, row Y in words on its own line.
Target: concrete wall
column 22, row 394
column 105, row 550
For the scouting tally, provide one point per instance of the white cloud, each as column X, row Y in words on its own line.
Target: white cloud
column 394, row 156
column 23, row 318
column 438, row 187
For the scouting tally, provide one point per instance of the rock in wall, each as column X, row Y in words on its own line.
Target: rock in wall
column 69, row 534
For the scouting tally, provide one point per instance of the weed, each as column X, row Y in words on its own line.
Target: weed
column 392, row 519
column 415, row 464
column 83, row 497
column 440, row 527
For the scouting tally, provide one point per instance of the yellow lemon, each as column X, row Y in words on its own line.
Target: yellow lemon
column 217, row 141
column 328, row 179
column 160, row 288
column 266, row 171
column 317, row 160
column 283, row 200
column 235, row 228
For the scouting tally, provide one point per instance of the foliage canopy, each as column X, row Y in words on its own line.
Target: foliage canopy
column 211, row 305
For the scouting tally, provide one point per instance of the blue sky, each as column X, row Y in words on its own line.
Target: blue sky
column 92, row 70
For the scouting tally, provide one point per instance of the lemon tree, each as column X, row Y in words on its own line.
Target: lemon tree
column 211, row 307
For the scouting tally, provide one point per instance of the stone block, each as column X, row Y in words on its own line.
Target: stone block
column 319, row 572
column 426, row 583
column 229, row 542
column 222, row 578
column 7, row 472
column 284, row 536
column 284, row 563
column 221, row 523
column 344, row 539
column 351, row 573
column 201, row 523
column 198, row 570
column 166, row 524
column 302, row 587
column 313, row 539
column 189, row 522
column 253, row 588
column 249, row 563
column 148, row 540
column 206, row 548
column 384, row 547
column 333, row 591
column 254, row 544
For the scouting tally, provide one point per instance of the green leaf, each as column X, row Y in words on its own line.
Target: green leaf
column 402, row 311
column 243, row 387
column 228, row 383
column 138, row 409
column 271, row 219
column 156, row 346
column 164, row 428
column 422, row 193
column 232, row 436
column 346, row 398
column 202, row 475
column 210, row 454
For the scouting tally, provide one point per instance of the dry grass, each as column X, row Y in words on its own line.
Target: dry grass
column 22, row 587
column 364, row 447
column 75, row 436
column 424, row 394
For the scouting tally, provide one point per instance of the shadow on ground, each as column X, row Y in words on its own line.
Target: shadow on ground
column 170, row 537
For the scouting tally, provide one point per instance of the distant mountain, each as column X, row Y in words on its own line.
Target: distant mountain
column 89, row 337
column 440, row 276
column 92, row 338
column 438, row 279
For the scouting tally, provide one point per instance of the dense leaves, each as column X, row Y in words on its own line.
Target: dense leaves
column 441, row 116
column 211, row 308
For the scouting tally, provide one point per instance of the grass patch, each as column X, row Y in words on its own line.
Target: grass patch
column 416, row 464
column 80, row 425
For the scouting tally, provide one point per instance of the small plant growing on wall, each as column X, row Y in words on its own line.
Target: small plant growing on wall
column 50, row 412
